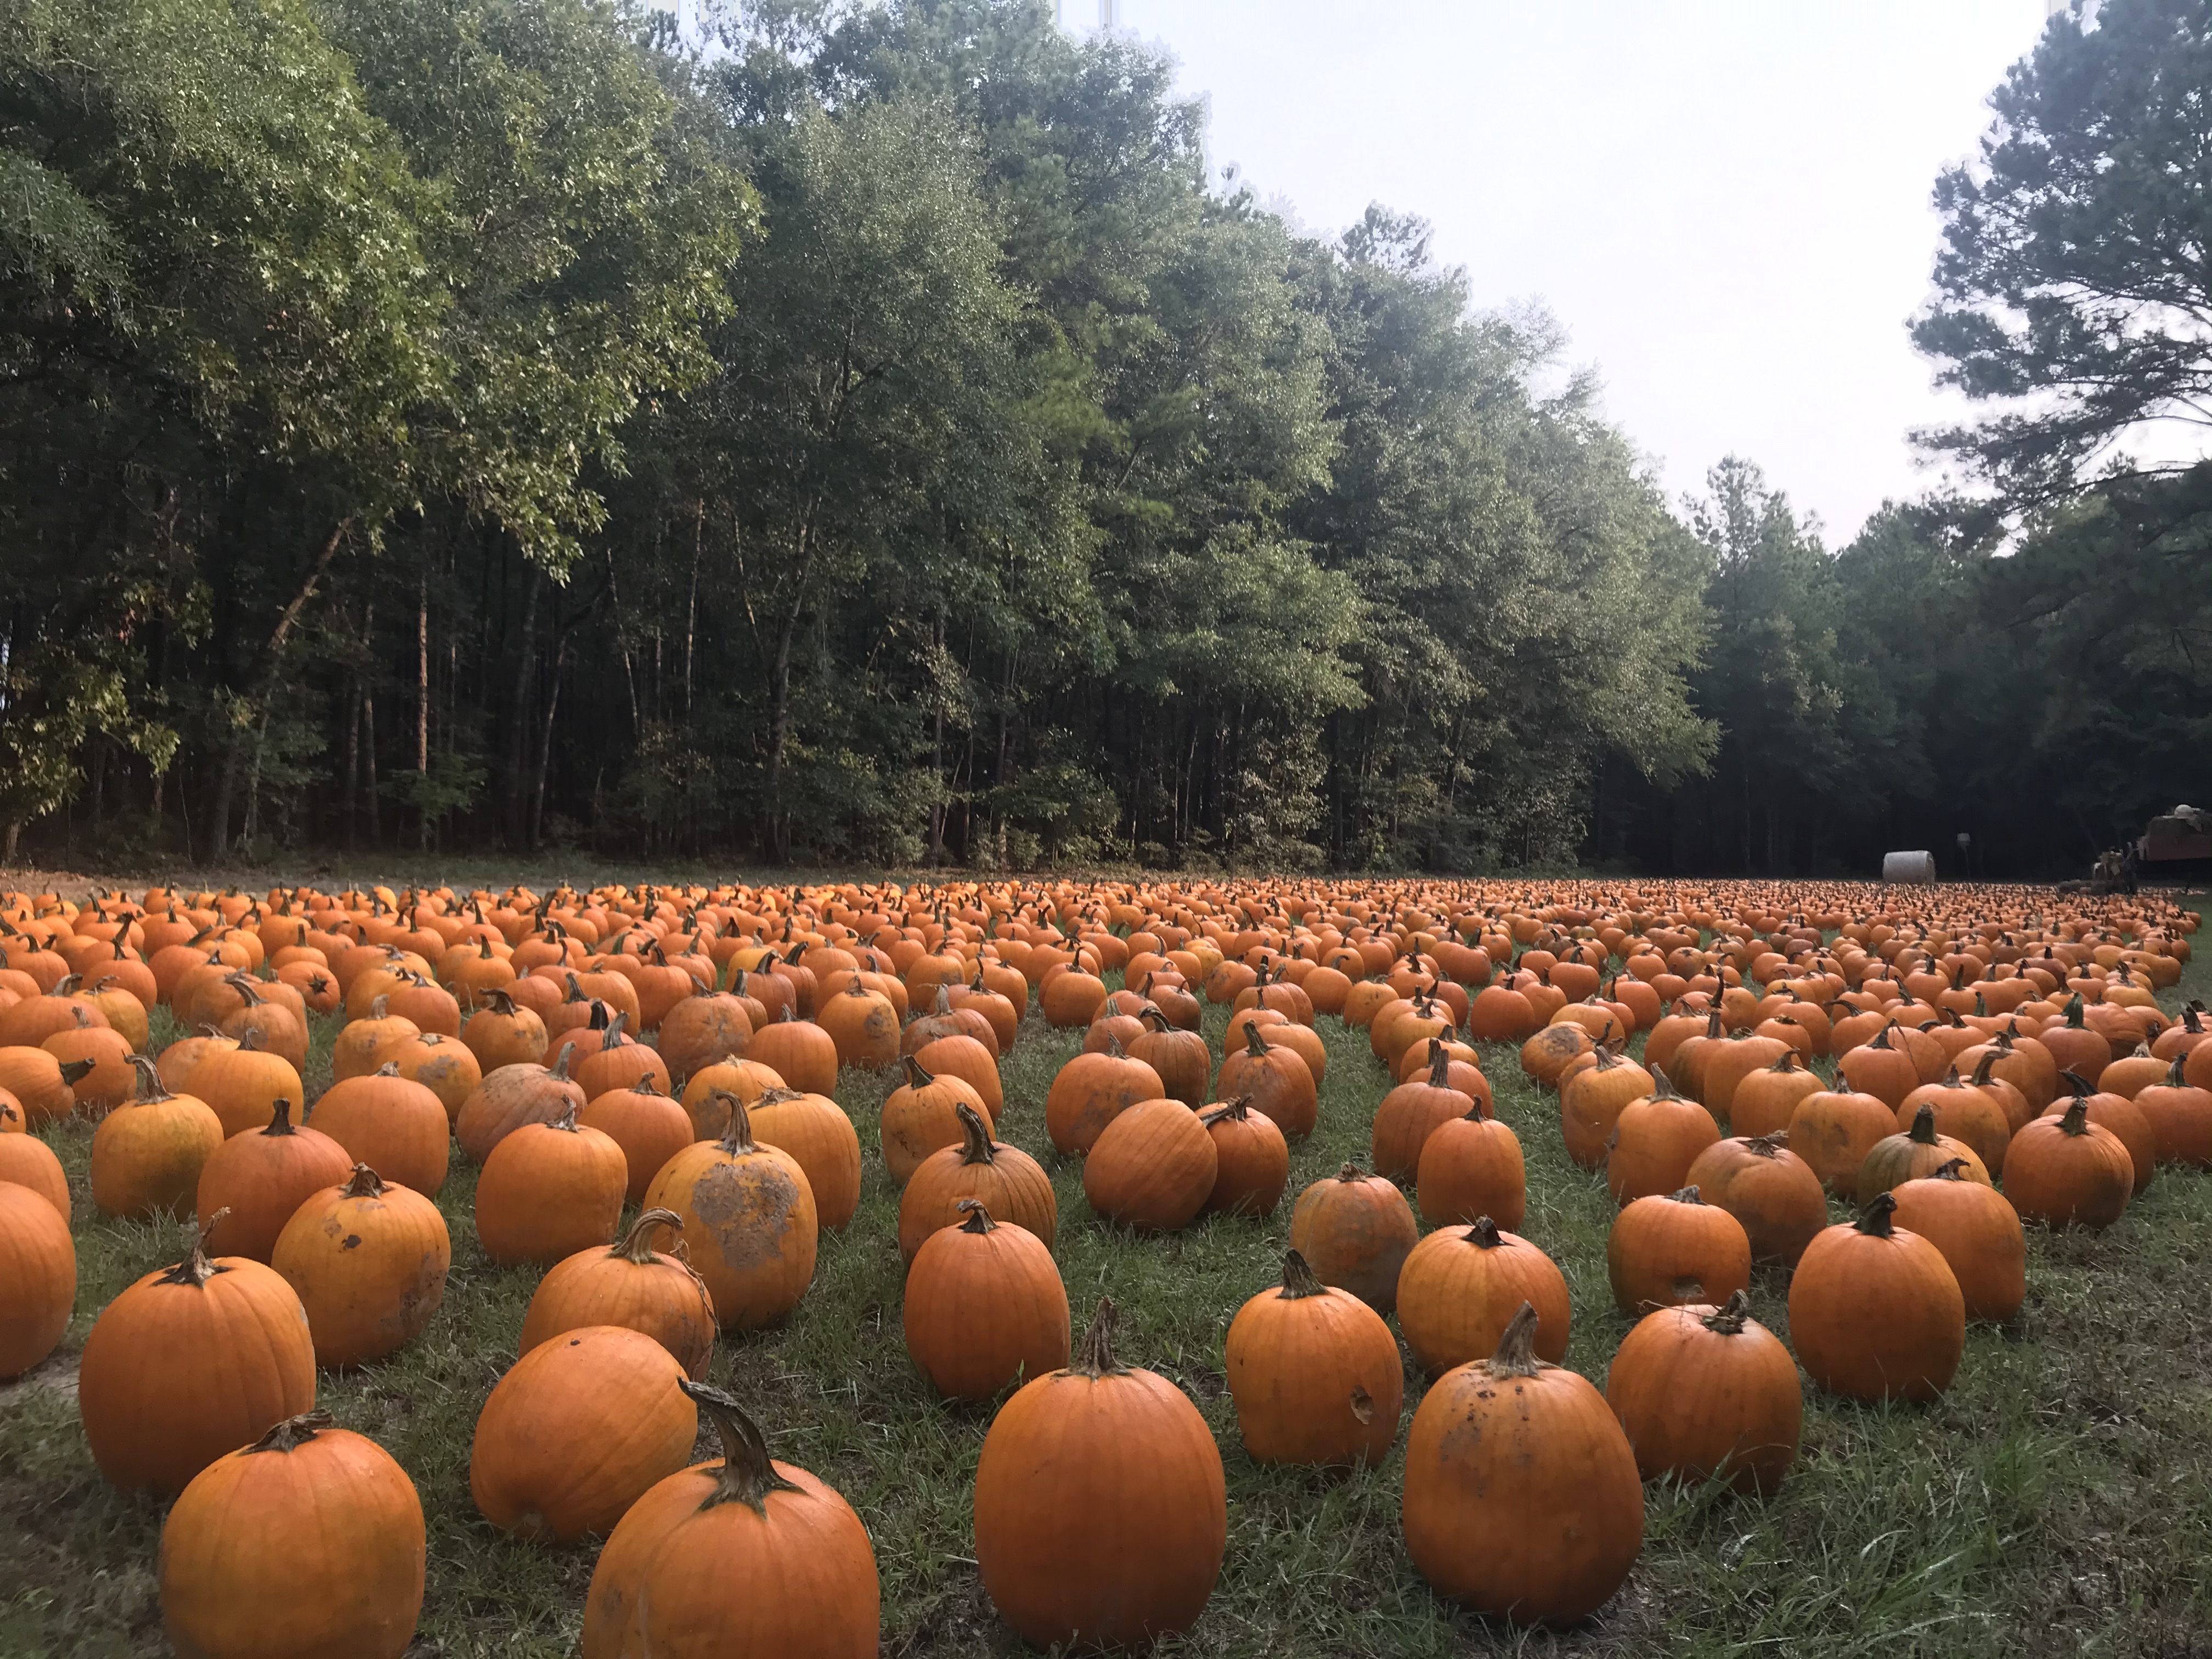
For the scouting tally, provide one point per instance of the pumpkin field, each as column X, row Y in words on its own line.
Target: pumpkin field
column 1236, row 1267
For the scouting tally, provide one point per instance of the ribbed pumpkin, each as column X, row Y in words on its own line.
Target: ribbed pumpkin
column 503, row 1032
column 1184, row 1063
column 369, row 1262
column 1918, row 1151
column 1460, row 1288
column 798, row 1051
column 746, row 1558
column 1355, row 1231
column 2123, row 1117
column 1704, row 1392
column 1767, row 1099
column 749, row 1223
column 1005, row 1179
column 38, row 1276
column 2067, row 1171
column 1978, row 1232
column 1101, row 1506
column 1875, row 1312
column 1964, row 1113
column 1470, row 1168
column 1314, row 1374
column 1091, row 1090
column 1153, row 1167
column 1768, row 1189
column 235, row 1359
column 820, row 1139
column 1252, row 1161
column 648, row 1124
column 579, row 1430
column 1882, row 1069
column 1409, row 1113
column 258, row 1181
column 41, row 1085
column 229, row 1572
column 633, row 1285
column 966, row 1058
column 510, row 1097
column 1674, row 1251
column 147, row 1153
column 2180, row 1116
column 1276, row 1081
column 1834, row 1130
column 922, row 1116
column 29, row 1161
column 1591, row 1102
column 984, row 1307
column 393, row 1124
column 242, row 1085
column 1655, row 1141
column 704, row 1027
column 1521, row 1497
column 550, row 1190
column 747, row 1080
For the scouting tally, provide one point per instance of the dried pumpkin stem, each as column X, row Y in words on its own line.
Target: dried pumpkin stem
column 293, row 1431
column 1730, row 1319
column 979, row 1220
column 1516, row 1348
column 748, row 1473
column 636, row 1244
column 1299, row 1280
column 1095, row 1359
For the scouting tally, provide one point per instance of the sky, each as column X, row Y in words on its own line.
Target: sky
column 1726, row 202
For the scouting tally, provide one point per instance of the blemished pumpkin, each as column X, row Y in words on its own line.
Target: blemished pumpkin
column 510, row 1097
column 631, row 1285
column 1704, row 1392
column 749, row 1222
column 38, row 1278
column 1091, row 1090
column 1153, row 1168
column 579, row 1430
column 368, row 1261
column 1675, row 1250
column 743, row 1558
column 1521, row 1497
column 1355, row 1231
column 1004, row 1178
column 1834, row 1130
column 235, row 1359
column 233, row 1544
column 1460, row 1287
column 1276, row 1079
column 1101, row 1506
column 1314, row 1374
column 1655, row 1141
column 984, row 1307
column 922, row 1117
column 1768, row 1188
column 1875, row 1312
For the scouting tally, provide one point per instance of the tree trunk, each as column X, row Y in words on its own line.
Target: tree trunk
column 423, row 707
column 518, row 722
column 776, row 840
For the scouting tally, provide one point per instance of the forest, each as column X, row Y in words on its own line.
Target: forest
column 873, row 435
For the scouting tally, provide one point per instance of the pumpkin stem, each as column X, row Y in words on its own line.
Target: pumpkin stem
column 566, row 1121
column 2174, row 1078
column 1237, row 1110
column 280, row 1118
column 1685, row 1195
column 198, row 1268
column 614, row 1039
column 1095, row 1359
column 1299, row 1280
column 977, row 1147
column 1485, row 1234
column 1254, row 1044
column 501, row 1003
column 1951, row 1170
column 636, row 1244
column 560, row 1072
column 979, row 1220
column 1662, row 1086
column 1151, row 1018
column 915, row 1077
column 1874, row 1221
column 365, row 1184
column 1516, row 1349
column 738, row 1138
column 1767, row 1145
column 1439, row 1064
column 748, row 1473
column 1730, row 1319
column 293, row 1431
column 2076, row 1120
column 150, row 1080
column 1923, row 1126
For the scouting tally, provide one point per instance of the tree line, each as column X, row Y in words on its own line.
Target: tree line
column 871, row 435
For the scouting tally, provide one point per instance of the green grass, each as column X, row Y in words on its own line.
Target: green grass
column 2055, row 1501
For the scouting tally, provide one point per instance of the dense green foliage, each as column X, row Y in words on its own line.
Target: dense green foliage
column 457, row 423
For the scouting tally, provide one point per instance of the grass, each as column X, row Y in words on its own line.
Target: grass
column 2054, row 1502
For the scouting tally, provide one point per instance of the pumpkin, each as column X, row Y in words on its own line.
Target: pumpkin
column 110, row 1081
column 1978, row 1232
column 359, row 1046
column 37, row 1277
column 922, row 1116
column 1101, row 1506
column 1767, row 1189
column 618, row 1061
column 647, row 1124
column 448, row 1069
column 550, row 1190
column 820, row 1139
column 1409, row 1112
column 746, row 1078
column 393, row 1124
column 1314, row 1375
column 579, row 1429
column 503, row 1032
column 1252, row 1161
column 1655, row 1141
column 1460, row 1288
column 749, row 1222
column 259, row 1180
column 1875, row 1313
column 42, row 1085
column 1730, row 1062
column 242, row 1084
column 2070, row 1172
column 2180, row 1116
column 862, row 1024
column 1091, row 1090
column 1881, row 1069
column 633, row 1285
column 146, row 1154
column 270, row 1022
column 1069, row 1001
column 1918, row 1151
column 367, row 1262
column 1592, row 1100
column 2123, row 1117
column 1765, row 1100
column 1834, row 1130
column 747, row 1558
column 232, row 1550
column 1004, row 1178
column 189, row 1362
column 1675, row 1251
column 705, row 1026
column 1275, row 1080
column 798, row 1051
column 1470, row 1168
column 175, row 1063
column 985, row 1307
column 1153, row 1167
column 1355, row 1231
column 510, row 1097
column 1521, row 1497
column 966, row 1058
column 1707, row 1394
column 1964, row 1113
column 29, row 1161
column 1183, row 1062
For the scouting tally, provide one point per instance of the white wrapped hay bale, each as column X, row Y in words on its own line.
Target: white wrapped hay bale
column 1909, row 869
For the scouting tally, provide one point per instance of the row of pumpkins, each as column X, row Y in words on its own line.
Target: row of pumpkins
column 504, row 1023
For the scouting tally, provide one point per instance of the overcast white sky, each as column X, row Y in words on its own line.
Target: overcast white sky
column 1725, row 201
